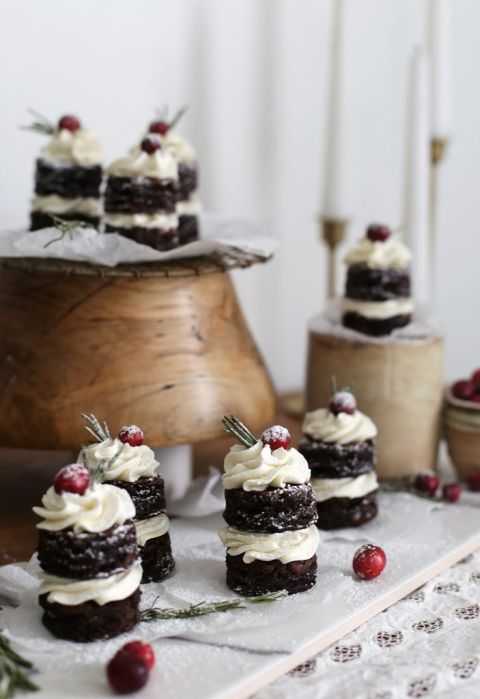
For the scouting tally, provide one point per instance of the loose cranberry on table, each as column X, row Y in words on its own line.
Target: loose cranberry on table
column 73, row 478
column 277, row 437
column 131, row 434
column 150, row 144
column 161, row 127
column 464, row 390
column 378, row 233
column 451, row 492
column 143, row 651
column 473, row 481
column 69, row 122
column 427, row 482
column 369, row 561
column 343, row 402
column 127, row 673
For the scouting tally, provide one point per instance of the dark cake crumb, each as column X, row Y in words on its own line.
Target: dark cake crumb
column 260, row 577
column 376, row 327
column 148, row 495
column 332, row 460
column 157, row 559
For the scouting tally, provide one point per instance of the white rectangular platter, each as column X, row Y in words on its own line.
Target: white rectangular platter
column 232, row 655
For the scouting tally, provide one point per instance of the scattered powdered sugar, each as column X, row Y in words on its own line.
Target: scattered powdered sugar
column 275, row 433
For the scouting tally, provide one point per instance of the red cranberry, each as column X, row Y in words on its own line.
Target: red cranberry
column 378, row 233
column 69, row 122
column 343, row 402
column 476, row 377
column 277, row 437
column 126, row 673
column 161, row 127
column 473, row 480
column 451, row 492
column 463, row 390
column 369, row 561
column 73, row 478
column 427, row 482
column 142, row 651
column 150, row 144
column 131, row 434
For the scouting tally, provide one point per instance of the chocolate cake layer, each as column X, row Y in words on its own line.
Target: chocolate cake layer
column 337, row 513
column 188, row 178
column 40, row 219
column 153, row 237
column 140, row 195
column 90, row 621
column 148, row 495
column 271, row 510
column 338, row 460
column 375, row 326
column 260, row 577
column 188, row 229
column 86, row 555
column 69, row 181
column 157, row 559
column 368, row 284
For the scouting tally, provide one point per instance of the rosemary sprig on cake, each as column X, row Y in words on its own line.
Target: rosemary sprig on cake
column 65, row 228
column 237, row 429
column 99, row 432
column 41, row 125
column 204, row 608
column 14, row 672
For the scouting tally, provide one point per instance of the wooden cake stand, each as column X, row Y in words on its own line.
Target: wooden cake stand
column 164, row 345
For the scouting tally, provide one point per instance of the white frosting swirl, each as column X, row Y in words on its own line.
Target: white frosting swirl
column 166, row 222
column 98, row 509
column 79, row 147
column 258, row 467
column 379, row 309
column 189, row 207
column 299, row 545
column 100, row 590
column 182, row 150
column 131, row 464
column 326, row 488
column 160, row 165
column 391, row 254
column 323, row 425
column 151, row 528
column 53, row 204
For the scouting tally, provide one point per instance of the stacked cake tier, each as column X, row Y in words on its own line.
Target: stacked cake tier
column 133, row 468
column 270, row 511
column 377, row 298
column 338, row 446
column 88, row 553
column 68, row 176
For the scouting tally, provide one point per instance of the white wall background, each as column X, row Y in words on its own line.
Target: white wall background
column 255, row 74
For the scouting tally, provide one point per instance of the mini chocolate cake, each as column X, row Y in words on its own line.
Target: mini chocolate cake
column 89, row 558
column 68, row 175
column 133, row 468
column 338, row 445
column 141, row 196
column 378, row 291
column 271, row 512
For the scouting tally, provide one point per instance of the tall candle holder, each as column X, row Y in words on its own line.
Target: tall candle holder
column 333, row 233
column 438, row 149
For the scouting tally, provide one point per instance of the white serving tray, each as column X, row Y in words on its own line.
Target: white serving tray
column 232, row 655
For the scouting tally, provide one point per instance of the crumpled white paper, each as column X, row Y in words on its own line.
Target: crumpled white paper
column 219, row 234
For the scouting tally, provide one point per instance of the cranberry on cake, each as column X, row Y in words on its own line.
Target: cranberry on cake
column 188, row 204
column 132, row 466
column 88, row 553
column 68, row 174
column 270, row 511
column 338, row 445
column 378, row 296
column 141, row 195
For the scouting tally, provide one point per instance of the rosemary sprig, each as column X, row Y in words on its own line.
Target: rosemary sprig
column 65, row 228
column 237, row 429
column 404, row 485
column 13, row 671
column 177, row 117
column 203, row 608
column 99, row 432
column 41, row 125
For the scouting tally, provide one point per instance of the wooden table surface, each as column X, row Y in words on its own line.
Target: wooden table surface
column 23, row 487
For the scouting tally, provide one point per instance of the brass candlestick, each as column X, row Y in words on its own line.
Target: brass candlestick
column 438, row 149
column 333, row 233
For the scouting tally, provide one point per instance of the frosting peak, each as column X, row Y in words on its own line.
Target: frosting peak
column 160, row 165
column 388, row 254
column 258, row 467
column 98, row 509
column 131, row 464
column 181, row 149
column 323, row 425
column 79, row 147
